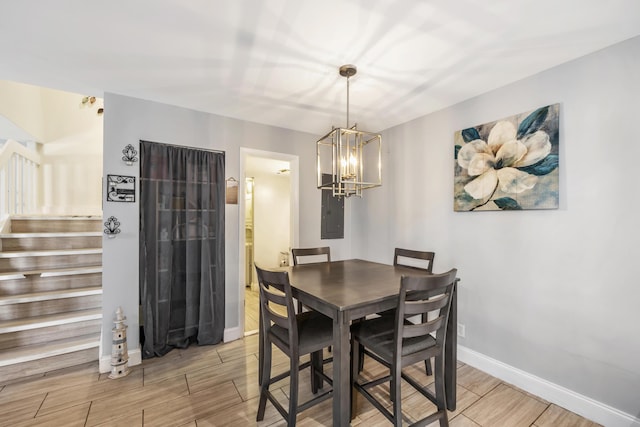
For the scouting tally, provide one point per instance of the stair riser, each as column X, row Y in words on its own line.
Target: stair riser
column 27, row 263
column 20, row 370
column 42, row 308
column 11, row 244
column 46, row 335
column 43, row 284
column 54, row 225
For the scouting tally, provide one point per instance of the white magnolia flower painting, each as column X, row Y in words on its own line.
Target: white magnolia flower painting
column 509, row 164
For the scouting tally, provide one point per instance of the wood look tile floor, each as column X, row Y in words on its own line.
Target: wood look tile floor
column 217, row 386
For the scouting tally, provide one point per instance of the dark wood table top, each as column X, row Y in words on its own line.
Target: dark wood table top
column 350, row 284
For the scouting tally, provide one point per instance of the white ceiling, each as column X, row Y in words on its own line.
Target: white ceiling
column 276, row 61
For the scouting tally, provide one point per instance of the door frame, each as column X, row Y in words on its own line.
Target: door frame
column 294, row 213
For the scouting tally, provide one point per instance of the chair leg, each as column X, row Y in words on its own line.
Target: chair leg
column 293, row 391
column 316, row 370
column 427, row 367
column 396, row 384
column 441, row 396
column 264, row 382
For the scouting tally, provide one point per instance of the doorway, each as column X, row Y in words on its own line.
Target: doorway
column 269, row 214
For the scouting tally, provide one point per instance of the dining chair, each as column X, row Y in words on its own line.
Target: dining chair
column 295, row 335
column 396, row 343
column 310, row 255
column 421, row 260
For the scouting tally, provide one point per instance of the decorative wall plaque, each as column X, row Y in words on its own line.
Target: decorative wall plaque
column 121, row 188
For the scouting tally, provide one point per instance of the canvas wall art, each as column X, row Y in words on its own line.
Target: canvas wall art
column 509, row 164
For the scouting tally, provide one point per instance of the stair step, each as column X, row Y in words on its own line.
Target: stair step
column 41, row 351
column 41, row 260
column 55, row 224
column 50, row 295
column 48, row 334
column 53, row 272
column 50, row 241
column 34, row 281
column 49, row 320
column 47, row 253
column 34, row 235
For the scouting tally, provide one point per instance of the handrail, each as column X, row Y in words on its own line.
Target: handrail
column 18, row 179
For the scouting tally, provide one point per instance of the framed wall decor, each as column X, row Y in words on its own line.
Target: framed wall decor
column 121, row 188
column 508, row 164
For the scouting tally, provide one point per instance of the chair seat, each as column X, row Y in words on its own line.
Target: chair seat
column 315, row 331
column 377, row 335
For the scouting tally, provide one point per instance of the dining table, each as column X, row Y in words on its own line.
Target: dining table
column 352, row 289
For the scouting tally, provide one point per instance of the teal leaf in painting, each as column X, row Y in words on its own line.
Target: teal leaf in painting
column 543, row 167
column 470, row 134
column 533, row 122
column 507, row 204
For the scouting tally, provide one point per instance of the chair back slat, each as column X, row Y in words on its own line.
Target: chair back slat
column 423, row 329
column 406, row 257
column 315, row 253
column 425, row 305
column 276, row 301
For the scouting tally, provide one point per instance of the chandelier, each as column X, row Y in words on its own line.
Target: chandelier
column 349, row 160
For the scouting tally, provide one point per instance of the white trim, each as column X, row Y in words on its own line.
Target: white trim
column 232, row 334
column 294, row 165
column 135, row 358
column 568, row 399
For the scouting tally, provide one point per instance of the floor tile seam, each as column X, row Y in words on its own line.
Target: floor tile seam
column 477, row 402
column 100, row 395
column 41, row 403
column 207, row 412
column 64, row 408
column 533, row 396
column 238, row 391
column 143, row 402
column 547, row 406
column 86, row 419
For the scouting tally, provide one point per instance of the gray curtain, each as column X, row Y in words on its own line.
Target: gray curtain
column 181, row 247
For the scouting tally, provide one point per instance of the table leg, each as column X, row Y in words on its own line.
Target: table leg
column 451, row 352
column 341, row 371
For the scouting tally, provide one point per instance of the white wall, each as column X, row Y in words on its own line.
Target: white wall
column 127, row 121
column 271, row 218
column 553, row 293
column 70, row 145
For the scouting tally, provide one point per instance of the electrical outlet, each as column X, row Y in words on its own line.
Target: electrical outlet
column 461, row 330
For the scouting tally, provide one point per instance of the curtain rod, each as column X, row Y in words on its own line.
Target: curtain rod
column 185, row 146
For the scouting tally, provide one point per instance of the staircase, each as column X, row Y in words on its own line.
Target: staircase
column 50, row 294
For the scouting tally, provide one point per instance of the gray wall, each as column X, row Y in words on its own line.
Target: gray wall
column 129, row 120
column 552, row 293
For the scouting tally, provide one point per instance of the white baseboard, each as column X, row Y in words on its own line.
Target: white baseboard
column 568, row 399
column 135, row 358
column 232, row 334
